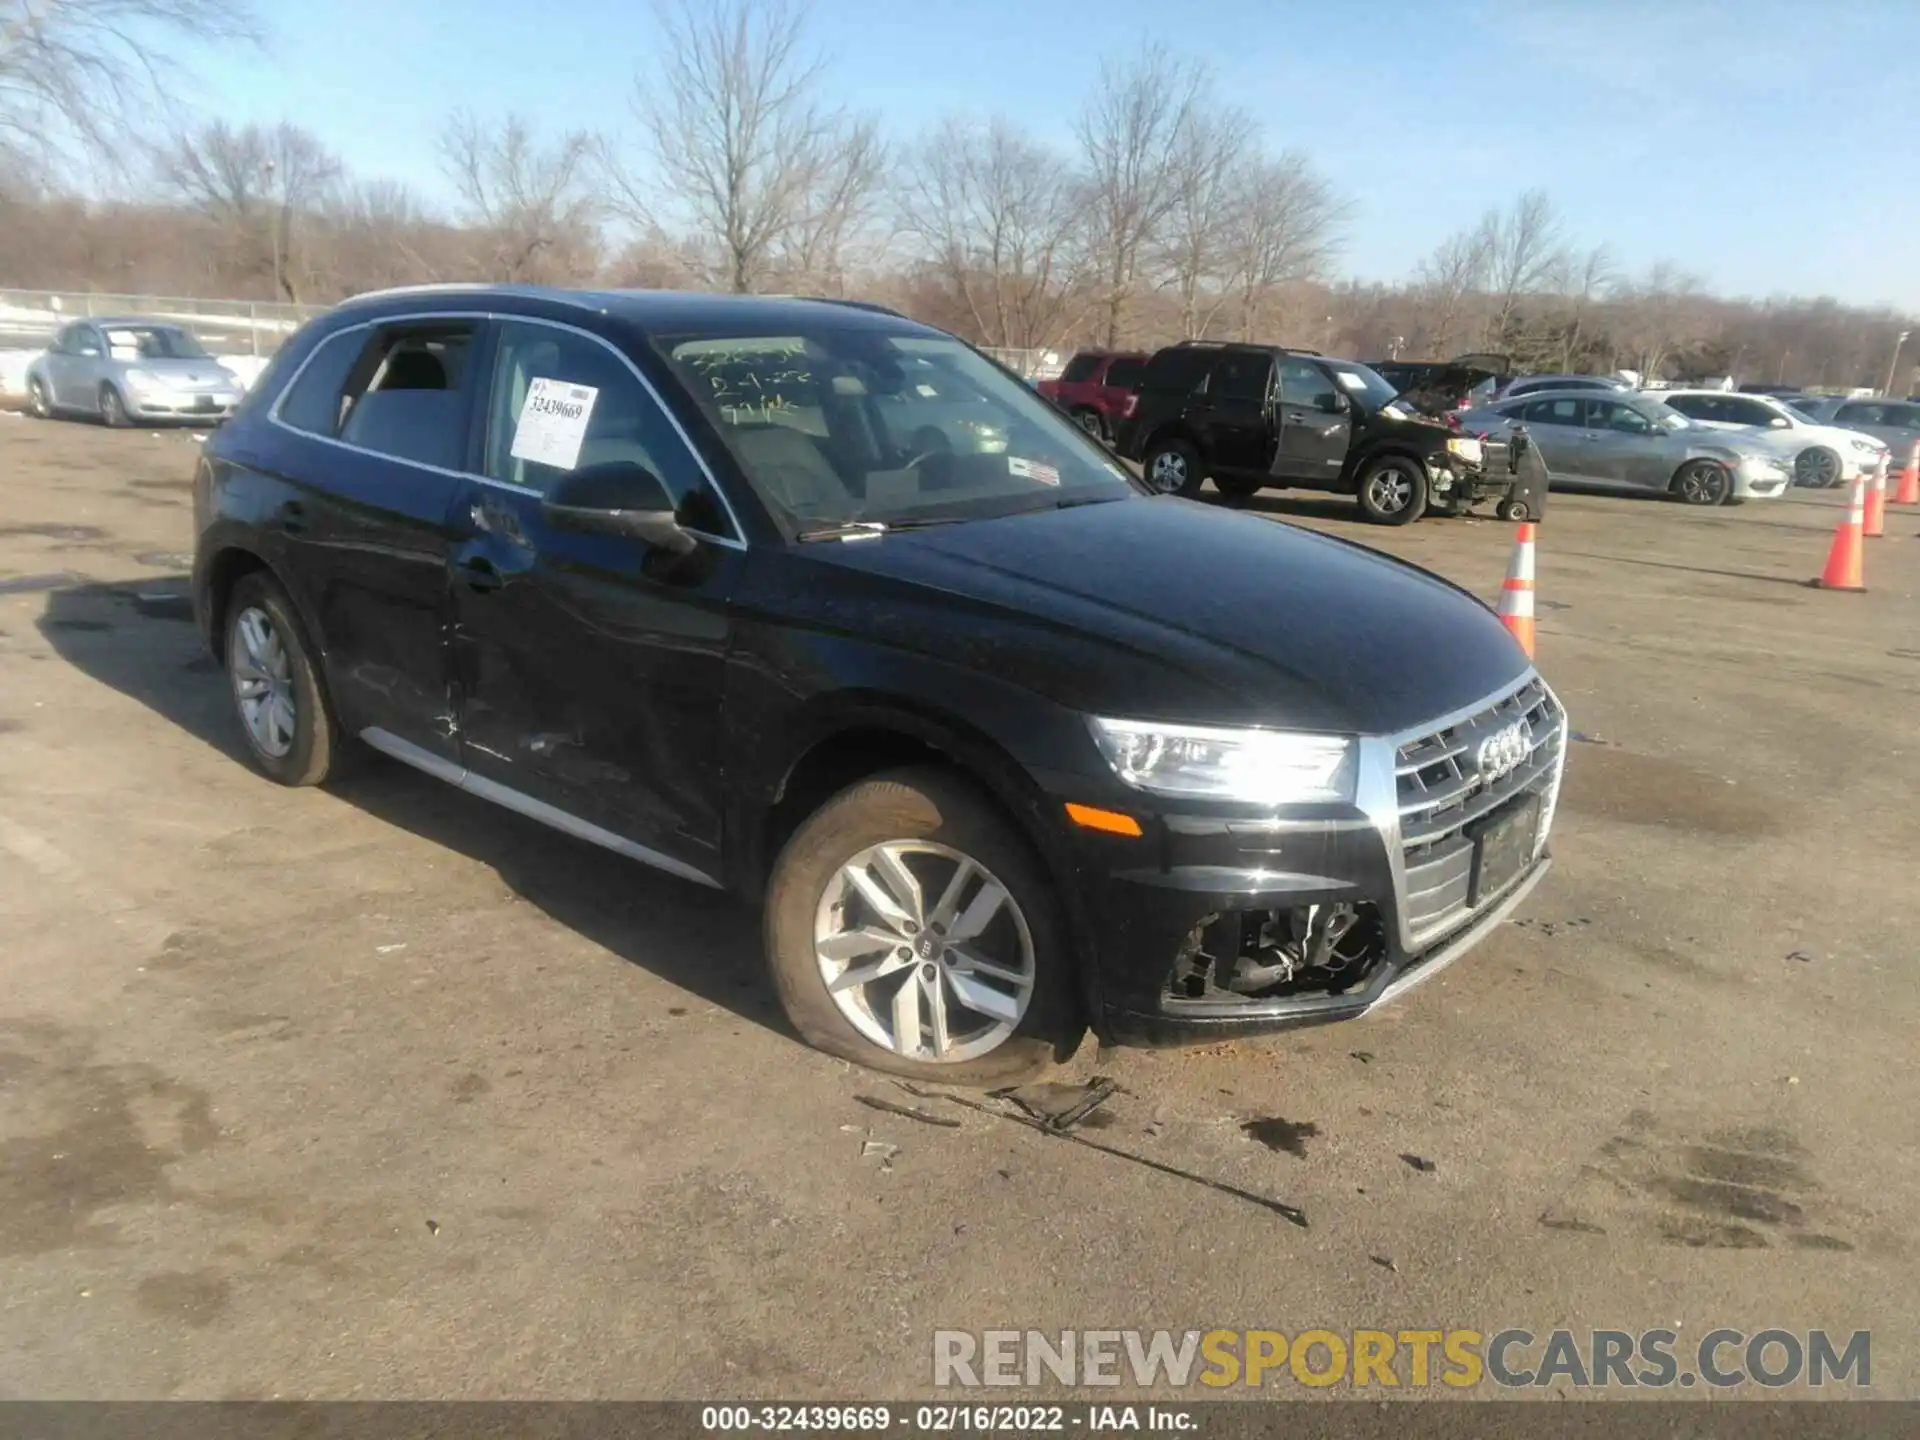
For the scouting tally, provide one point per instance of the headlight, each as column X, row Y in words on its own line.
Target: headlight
column 143, row 379
column 1466, row 447
column 1866, row 447
column 1263, row 767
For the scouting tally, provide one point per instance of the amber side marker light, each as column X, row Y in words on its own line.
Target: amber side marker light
column 1111, row 821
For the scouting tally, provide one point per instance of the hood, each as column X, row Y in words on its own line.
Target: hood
column 1167, row 609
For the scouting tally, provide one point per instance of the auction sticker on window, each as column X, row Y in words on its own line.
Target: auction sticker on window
column 1032, row 470
column 553, row 423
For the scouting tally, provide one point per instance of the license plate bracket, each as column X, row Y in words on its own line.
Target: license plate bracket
column 1503, row 846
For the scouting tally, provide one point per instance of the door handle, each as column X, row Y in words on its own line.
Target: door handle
column 479, row 574
column 293, row 518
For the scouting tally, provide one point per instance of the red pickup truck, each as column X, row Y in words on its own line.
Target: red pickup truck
column 1098, row 389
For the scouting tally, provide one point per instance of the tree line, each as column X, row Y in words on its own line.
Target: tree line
column 1167, row 216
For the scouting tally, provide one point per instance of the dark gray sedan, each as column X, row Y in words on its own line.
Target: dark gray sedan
column 129, row 370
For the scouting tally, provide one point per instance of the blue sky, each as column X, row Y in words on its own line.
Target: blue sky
column 1768, row 147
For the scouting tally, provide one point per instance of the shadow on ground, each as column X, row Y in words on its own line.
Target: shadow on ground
column 139, row 639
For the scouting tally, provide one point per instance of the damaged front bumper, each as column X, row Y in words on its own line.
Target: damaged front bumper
column 1245, row 923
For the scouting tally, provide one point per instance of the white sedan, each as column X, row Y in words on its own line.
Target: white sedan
column 1823, row 455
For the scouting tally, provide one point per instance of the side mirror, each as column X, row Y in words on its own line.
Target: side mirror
column 1333, row 403
column 618, row 498
column 1778, row 422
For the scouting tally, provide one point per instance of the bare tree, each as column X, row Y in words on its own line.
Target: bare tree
column 847, row 183
column 87, row 69
column 1582, row 280
column 257, row 186
column 1447, row 280
column 1284, row 229
column 1208, row 166
column 1131, row 134
column 994, row 210
column 530, row 201
column 745, row 149
column 1525, row 254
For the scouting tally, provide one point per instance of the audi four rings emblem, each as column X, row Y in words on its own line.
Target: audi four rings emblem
column 1504, row 751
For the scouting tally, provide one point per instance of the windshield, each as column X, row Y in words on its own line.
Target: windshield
column 153, row 342
column 1362, row 384
column 1662, row 413
column 865, row 427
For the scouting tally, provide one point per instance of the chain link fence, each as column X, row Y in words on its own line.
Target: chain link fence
column 1030, row 364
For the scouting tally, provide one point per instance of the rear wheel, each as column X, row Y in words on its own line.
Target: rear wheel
column 910, row 928
column 1090, row 421
column 1173, row 467
column 1514, row 510
column 1393, row 490
column 113, row 410
column 278, row 694
column 1702, row 482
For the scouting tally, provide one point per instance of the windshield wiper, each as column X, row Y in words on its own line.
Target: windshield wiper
column 846, row 530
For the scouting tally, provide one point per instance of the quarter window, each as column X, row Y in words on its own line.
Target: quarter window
column 315, row 401
column 561, row 401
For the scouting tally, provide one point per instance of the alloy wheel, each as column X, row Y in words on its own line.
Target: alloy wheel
column 1089, row 422
column 1816, row 469
column 924, row 951
column 1168, row 473
column 262, row 673
column 1390, row 490
column 1703, row 483
column 37, row 399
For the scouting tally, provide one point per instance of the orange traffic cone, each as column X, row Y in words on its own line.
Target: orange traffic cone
column 1516, row 595
column 1909, row 491
column 1874, row 521
column 1843, row 570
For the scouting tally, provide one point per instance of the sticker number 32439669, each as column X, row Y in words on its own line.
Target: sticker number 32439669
column 553, row 423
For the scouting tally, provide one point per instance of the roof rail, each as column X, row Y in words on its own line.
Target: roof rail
column 1243, row 344
column 872, row 305
column 434, row 287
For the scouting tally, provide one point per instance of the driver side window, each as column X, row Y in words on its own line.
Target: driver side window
column 1304, row 383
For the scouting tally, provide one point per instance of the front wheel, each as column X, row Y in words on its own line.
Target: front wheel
column 911, row 929
column 1173, row 467
column 1816, row 469
column 1702, row 482
column 38, row 405
column 113, row 410
column 1393, row 490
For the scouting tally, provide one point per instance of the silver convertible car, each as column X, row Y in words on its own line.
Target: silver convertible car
column 1617, row 439
column 129, row 370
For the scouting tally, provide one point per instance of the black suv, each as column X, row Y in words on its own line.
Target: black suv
column 1252, row 416
column 710, row 582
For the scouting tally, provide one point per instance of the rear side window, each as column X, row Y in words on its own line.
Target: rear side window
column 1081, row 367
column 1127, row 372
column 1241, row 375
column 1551, row 412
column 314, row 402
column 1179, row 367
column 405, row 396
column 1861, row 415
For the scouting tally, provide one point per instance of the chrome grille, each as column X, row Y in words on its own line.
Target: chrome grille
column 1441, row 793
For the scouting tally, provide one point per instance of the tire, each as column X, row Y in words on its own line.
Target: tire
column 1237, row 487
column 1173, row 467
column 1816, row 468
column 1393, row 490
column 934, row 817
column 1701, row 482
column 1734, row 500
column 1513, row 510
column 113, row 410
column 312, row 751
column 1092, row 422
column 38, row 404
